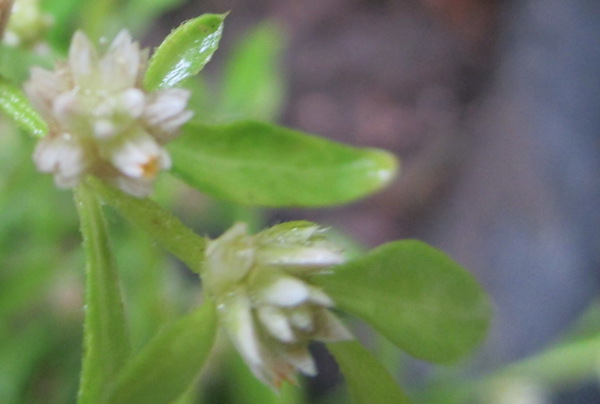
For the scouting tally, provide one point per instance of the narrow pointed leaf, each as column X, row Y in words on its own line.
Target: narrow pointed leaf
column 368, row 381
column 414, row 295
column 166, row 367
column 16, row 106
column 255, row 163
column 184, row 52
column 159, row 223
column 106, row 343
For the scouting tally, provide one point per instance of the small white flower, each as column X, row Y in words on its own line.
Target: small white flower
column 101, row 120
column 268, row 307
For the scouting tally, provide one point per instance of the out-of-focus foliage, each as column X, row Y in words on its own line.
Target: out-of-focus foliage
column 41, row 292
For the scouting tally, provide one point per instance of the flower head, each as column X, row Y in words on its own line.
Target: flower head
column 101, row 120
column 266, row 304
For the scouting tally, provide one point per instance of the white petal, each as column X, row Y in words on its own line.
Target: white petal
column 165, row 113
column 302, row 360
column 64, row 158
column 298, row 256
column 329, row 328
column 66, row 108
column 104, row 128
column 240, row 324
column 276, row 323
column 166, row 104
column 132, row 101
column 301, row 318
column 82, row 58
column 42, row 87
column 319, row 297
column 140, row 157
column 120, row 65
column 285, row 292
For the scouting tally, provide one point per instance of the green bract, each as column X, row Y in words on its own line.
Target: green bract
column 184, row 52
column 256, row 163
column 414, row 295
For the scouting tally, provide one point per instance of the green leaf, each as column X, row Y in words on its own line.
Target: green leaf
column 562, row 366
column 65, row 19
column 170, row 363
column 256, row 163
column 15, row 105
column 159, row 223
column 416, row 296
column 368, row 381
column 184, row 52
column 253, row 82
column 106, row 341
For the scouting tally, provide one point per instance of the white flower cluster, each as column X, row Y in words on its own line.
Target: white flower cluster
column 101, row 120
column 268, row 308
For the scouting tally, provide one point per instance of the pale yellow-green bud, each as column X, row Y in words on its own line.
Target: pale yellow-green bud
column 27, row 24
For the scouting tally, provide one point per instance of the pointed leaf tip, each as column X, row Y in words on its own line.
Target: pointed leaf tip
column 184, row 52
column 256, row 163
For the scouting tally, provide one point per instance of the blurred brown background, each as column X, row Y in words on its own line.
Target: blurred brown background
column 493, row 107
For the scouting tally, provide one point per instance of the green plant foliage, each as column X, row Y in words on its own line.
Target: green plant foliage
column 160, row 224
column 64, row 15
column 368, row 381
column 170, row 362
column 106, row 342
column 414, row 295
column 253, row 82
column 14, row 104
column 255, row 163
column 184, row 52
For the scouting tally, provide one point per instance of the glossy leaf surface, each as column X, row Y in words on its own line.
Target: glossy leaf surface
column 184, row 52
column 16, row 106
column 106, row 343
column 170, row 363
column 368, row 381
column 256, row 163
column 416, row 296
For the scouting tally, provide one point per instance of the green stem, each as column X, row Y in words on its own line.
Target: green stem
column 106, row 341
column 150, row 217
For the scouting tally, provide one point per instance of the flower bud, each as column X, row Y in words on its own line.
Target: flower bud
column 27, row 24
column 265, row 301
